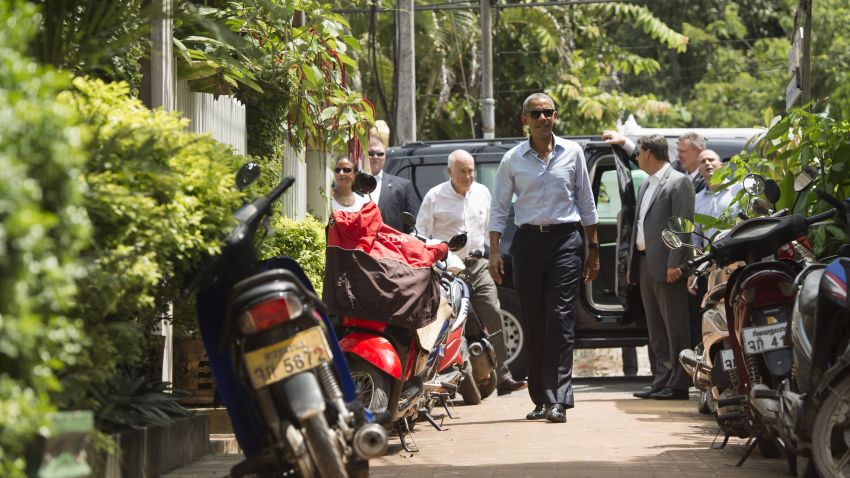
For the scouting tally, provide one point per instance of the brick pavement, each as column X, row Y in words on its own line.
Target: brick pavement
column 608, row 434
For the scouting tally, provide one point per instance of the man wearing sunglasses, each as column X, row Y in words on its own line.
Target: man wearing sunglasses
column 393, row 195
column 554, row 204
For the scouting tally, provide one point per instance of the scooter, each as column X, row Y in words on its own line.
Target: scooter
column 758, row 300
column 276, row 362
column 815, row 403
column 393, row 357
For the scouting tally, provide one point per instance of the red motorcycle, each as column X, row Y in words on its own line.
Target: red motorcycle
column 758, row 302
column 397, row 310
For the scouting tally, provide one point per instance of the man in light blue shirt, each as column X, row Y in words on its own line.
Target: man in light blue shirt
column 554, row 202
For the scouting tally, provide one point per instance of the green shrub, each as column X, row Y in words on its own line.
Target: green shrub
column 42, row 227
column 160, row 199
column 303, row 241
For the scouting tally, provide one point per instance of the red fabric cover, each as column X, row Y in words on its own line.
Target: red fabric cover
column 378, row 273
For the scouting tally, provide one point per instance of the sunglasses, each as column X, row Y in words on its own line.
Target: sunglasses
column 343, row 170
column 536, row 113
column 379, row 154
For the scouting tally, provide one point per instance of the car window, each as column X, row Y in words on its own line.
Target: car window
column 608, row 202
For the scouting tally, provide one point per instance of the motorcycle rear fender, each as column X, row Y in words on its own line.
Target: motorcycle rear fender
column 303, row 395
column 374, row 349
column 779, row 362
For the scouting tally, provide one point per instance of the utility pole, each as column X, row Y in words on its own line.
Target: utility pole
column 405, row 114
column 806, row 63
column 488, row 104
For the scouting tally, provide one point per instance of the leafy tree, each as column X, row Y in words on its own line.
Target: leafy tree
column 42, row 230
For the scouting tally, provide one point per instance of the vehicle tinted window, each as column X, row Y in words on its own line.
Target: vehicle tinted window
column 608, row 204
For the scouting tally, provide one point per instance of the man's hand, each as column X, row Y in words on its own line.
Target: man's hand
column 613, row 137
column 497, row 268
column 673, row 274
column 591, row 266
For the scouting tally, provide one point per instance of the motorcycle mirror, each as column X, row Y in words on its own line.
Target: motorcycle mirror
column 670, row 239
column 753, row 184
column 407, row 219
column 771, row 191
column 457, row 242
column 364, row 183
column 247, row 175
column 761, row 206
column 805, row 178
column 680, row 225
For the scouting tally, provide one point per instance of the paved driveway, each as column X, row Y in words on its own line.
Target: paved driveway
column 608, row 434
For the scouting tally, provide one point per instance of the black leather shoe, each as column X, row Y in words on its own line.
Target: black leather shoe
column 538, row 413
column 556, row 413
column 510, row 385
column 646, row 393
column 670, row 394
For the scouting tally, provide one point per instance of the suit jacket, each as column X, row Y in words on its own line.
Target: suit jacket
column 397, row 196
column 698, row 181
column 674, row 196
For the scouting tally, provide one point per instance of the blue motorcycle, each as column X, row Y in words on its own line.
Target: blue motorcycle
column 276, row 361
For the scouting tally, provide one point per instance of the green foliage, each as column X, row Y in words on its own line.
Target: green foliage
column 42, row 228
column 304, row 69
column 794, row 141
column 738, row 84
column 130, row 401
column 303, row 241
column 101, row 38
column 159, row 199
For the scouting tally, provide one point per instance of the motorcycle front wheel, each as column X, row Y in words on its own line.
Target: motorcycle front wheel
column 323, row 450
column 831, row 433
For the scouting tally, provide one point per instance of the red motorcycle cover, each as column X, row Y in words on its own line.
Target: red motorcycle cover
column 378, row 273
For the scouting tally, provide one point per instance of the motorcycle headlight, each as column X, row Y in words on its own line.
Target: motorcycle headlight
column 716, row 318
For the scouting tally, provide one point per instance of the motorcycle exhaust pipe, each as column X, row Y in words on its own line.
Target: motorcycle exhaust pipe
column 689, row 361
column 479, row 358
column 370, row 441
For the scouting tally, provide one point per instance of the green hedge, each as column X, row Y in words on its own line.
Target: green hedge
column 42, row 228
column 160, row 199
column 303, row 241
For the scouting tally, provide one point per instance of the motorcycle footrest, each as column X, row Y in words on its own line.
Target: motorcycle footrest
column 728, row 401
column 731, row 416
column 769, row 394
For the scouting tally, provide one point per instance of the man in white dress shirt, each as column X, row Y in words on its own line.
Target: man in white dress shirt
column 709, row 202
column 461, row 205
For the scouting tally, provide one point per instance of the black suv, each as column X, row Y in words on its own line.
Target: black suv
column 609, row 314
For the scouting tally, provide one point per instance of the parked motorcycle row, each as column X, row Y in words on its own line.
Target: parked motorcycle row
column 305, row 403
column 774, row 363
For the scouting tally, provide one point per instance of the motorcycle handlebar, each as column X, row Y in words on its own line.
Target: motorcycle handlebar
column 832, row 200
column 701, row 259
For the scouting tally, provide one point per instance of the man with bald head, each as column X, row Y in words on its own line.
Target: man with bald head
column 461, row 205
column 712, row 200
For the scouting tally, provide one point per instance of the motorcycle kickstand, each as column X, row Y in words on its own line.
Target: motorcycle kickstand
column 722, row 445
column 401, row 426
column 444, row 401
column 751, row 445
column 433, row 421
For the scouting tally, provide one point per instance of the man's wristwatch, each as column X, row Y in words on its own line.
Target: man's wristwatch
column 593, row 245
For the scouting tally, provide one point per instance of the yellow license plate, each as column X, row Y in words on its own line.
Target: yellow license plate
column 270, row 364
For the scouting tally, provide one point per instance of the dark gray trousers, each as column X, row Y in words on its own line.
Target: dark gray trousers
column 668, row 321
column 547, row 269
column 484, row 298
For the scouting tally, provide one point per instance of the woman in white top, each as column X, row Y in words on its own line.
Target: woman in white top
column 344, row 198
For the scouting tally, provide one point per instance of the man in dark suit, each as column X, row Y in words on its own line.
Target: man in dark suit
column 659, row 271
column 394, row 195
column 688, row 149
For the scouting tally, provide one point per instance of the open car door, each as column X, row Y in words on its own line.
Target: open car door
column 629, row 178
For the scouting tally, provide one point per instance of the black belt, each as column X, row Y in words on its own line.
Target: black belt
column 640, row 253
column 562, row 227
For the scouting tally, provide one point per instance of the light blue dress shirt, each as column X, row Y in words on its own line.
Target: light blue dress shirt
column 557, row 191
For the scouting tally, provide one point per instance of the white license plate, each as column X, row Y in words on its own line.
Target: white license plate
column 273, row 363
column 763, row 339
column 727, row 359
